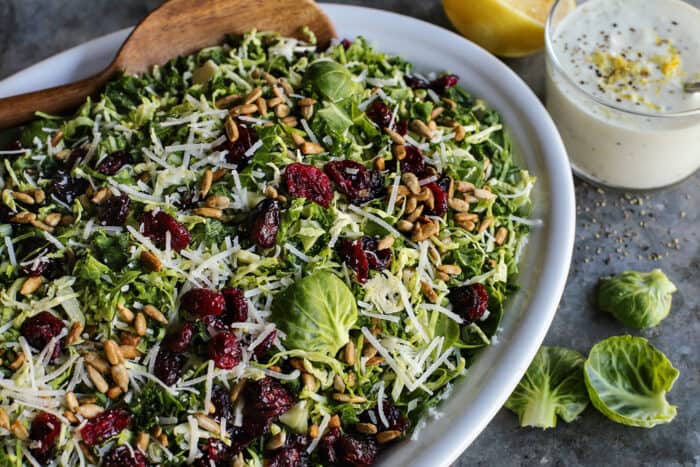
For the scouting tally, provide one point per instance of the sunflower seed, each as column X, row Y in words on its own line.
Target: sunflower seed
column 155, row 314
column 89, row 410
column 386, row 436
column 121, row 377
column 211, row 213
column 206, row 182
column 113, row 352
column 253, row 96
column 19, row 431
column 71, row 401
column 4, row 419
column 140, row 324
column 366, row 428
column 30, row 285
column 97, row 379
column 276, row 441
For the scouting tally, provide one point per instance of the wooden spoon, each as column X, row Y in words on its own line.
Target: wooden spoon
column 178, row 27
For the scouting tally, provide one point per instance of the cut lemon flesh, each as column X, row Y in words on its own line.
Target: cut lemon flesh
column 509, row 28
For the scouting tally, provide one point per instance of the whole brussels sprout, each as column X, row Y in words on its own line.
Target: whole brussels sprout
column 637, row 299
column 316, row 313
column 331, row 80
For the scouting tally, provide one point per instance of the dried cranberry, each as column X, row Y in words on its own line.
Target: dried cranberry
column 225, row 350
column 346, row 43
column 35, row 268
column 40, row 329
column 15, row 145
column 413, row 162
column 247, row 137
column 292, row 454
column 355, row 181
column 215, row 325
column 358, row 452
column 402, row 127
column 156, row 225
column 180, row 340
column 439, row 85
column 379, row 113
column 296, row 441
column 223, row 408
column 376, row 186
column 236, row 305
column 114, row 210
column 241, row 437
column 377, row 259
column 186, row 199
column 327, row 445
column 122, row 456
column 352, row 254
column 253, row 428
column 264, row 347
column 5, row 214
column 392, row 414
column 214, row 451
column 362, row 254
column 75, row 155
column 264, row 223
column 469, row 301
column 414, row 82
column 307, row 181
column 440, row 199
column 43, row 433
column 203, row 302
column 104, row 426
column 169, row 365
column 444, row 183
column 266, row 399
column 288, row 457
column 66, row 189
column 51, row 268
column 113, row 163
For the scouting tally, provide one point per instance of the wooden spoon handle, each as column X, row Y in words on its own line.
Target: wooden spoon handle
column 178, row 27
column 20, row 109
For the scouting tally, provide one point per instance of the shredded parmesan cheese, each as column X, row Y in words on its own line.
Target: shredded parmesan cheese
column 321, row 429
column 10, row 250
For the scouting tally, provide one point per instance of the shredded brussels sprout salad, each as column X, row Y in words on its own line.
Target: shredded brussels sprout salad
column 259, row 253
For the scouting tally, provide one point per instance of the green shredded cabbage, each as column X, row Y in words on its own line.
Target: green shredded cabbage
column 102, row 269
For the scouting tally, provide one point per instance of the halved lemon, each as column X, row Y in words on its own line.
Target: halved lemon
column 509, row 28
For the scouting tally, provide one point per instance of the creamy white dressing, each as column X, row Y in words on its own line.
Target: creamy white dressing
column 619, row 74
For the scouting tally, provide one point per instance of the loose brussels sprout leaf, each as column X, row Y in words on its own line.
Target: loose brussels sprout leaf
column 335, row 118
column 447, row 328
column 637, row 299
column 316, row 313
column 297, row 418
column 553, row 385
column 627, row 380
column 331, row 80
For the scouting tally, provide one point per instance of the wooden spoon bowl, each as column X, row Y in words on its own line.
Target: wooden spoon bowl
column 178, row 27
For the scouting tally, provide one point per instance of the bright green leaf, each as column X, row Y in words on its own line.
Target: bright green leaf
column 627, row 380
column 552, row 386
column 331, row 80
column 637, row 299
column 316, row 313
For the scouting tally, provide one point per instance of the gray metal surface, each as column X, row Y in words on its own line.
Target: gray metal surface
column 615, row 231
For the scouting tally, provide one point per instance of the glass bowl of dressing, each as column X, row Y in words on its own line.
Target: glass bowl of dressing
column 615, row 77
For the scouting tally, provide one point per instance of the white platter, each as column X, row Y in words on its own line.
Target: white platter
column 545, row 264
